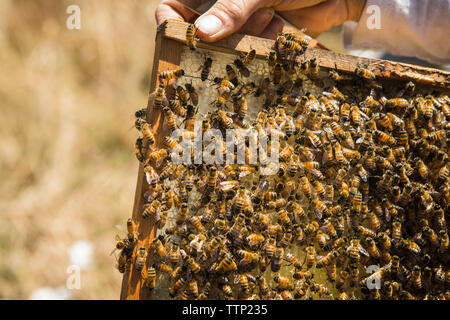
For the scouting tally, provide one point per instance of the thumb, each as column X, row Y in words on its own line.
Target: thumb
column 226, row 17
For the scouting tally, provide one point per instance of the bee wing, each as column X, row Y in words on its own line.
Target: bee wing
column 149, row 177
column 349, row 248
column 318, row 214
column 365, row 116
column 157, row 215
column 363, row 176
column 264, row 185
column 183, row 254
column 227, row 185
column 360, row 140
column 159, row 162
column 387, row 215
column 244, row 174
column 363, row 251
column 324, row 157
column 277, row 132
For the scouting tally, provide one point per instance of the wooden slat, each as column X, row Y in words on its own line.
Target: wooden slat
column 167, row 57
column 176, row 30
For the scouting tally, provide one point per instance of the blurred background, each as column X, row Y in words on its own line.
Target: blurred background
column 67, row 165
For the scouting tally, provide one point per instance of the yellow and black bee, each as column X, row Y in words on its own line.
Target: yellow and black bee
column 191, row 39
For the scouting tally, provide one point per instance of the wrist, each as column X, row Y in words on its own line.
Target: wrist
column 355, row 9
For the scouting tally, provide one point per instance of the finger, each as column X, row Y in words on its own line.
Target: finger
column 226, row 17
column 174, row 10
column 295, row 4
column 273, row 29
column 258, row 22
column 319, row 18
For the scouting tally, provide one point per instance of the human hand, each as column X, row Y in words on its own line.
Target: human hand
column 256, row 17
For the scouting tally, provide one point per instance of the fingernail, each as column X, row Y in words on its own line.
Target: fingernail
column 270, row 11
column 209, row 24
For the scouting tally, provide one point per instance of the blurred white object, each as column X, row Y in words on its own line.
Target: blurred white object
column 81, row 253
column 47, row 293
column 405, row 28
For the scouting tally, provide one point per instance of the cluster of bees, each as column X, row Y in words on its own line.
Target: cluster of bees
column 357, row 209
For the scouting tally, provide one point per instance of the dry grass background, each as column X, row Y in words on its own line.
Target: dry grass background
column 67, row 165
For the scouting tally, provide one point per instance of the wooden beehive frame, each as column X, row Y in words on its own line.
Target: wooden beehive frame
column 170, row 40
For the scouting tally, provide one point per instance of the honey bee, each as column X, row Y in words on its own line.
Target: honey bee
column 416, row 277
column 397, row 103
column 263, row 286
column 276, row 260
column 250, row 56
column 182, row 95
column 139, row 150
column 193, row 94
column 314, row 67
column 304, row 67
column 342, row 279
column 227, row 264
column 310, row 257
column 158, row 247
column 313, row 138
column 443, row 240
column 232, row 76
column 320, row 208
column 365, row 73
column 293, row 260
column 170, row 118
column 372, row 248
column 241, row 107
column 431, row 236
column 158, row 156
column 176, row 287
column 152, row 210
column 123, row 263
column 191, row 39
column 320, row 289
column 291, row 45
column 243, row 70
column 339, row 225
column 283, row 217
column 324, row 261
column 150, row 279
column 193, row 265
column 227, row 291
column 132, row 232
column 396, row 230
column 254, row 240
column 160, row 98
column 277, row 74
column 335, row 76
column 355, row 249
column 169, row 75
column 140, row 258
column 224, row 84
column 177, row 108
column 206, row 68
column 141, row 113
column 283, row 283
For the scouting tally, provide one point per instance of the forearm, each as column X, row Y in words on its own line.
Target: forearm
column 417, row 28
